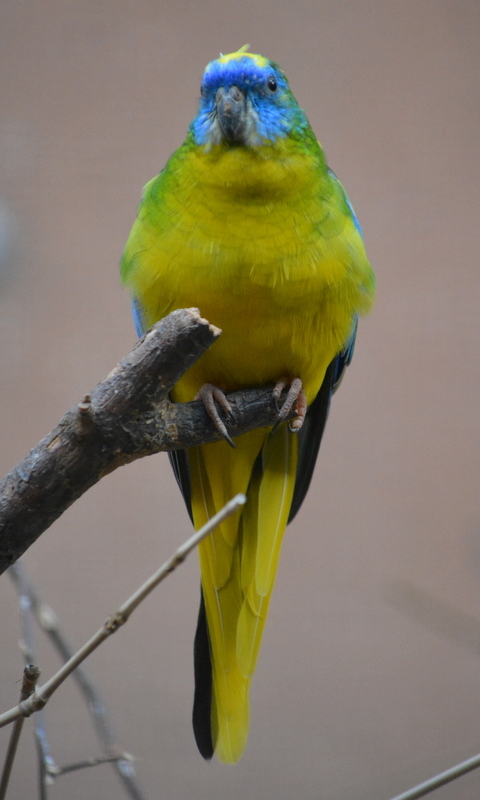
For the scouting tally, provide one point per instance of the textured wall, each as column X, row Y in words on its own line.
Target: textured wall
column 369, row 676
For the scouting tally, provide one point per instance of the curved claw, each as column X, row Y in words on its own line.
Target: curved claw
column 296, row 394
column 208, row 394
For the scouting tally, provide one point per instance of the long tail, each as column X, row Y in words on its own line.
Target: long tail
column 238, row 564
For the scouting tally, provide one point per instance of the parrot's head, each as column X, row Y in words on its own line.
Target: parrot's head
column 246, row 101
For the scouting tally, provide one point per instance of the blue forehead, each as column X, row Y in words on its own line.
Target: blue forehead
column 276, row 113
column 243, row 72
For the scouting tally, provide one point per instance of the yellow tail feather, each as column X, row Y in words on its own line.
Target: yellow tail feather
column 238, row 564
column 279, row 462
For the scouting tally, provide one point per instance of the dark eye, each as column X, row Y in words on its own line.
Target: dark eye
column 272, row 83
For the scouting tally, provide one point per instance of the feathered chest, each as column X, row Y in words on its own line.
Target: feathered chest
column 236, row 222
column 265, row 247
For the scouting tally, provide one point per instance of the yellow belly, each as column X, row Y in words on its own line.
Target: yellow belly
column 262, row 342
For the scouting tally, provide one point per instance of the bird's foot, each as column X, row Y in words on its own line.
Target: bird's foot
column 296, row 394
column 208, row 394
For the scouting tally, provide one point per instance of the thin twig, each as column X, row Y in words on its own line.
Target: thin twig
column 39, row 700
column 46, row 763
column 48, row 621
column 93, row 762
column 440, row 780
column 31, row 674
column 183, row 551
column 43, row 775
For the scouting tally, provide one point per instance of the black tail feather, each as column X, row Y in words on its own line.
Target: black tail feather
column 309, row 439
column 202, row 703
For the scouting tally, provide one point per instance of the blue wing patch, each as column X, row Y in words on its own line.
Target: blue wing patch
column 138, row 320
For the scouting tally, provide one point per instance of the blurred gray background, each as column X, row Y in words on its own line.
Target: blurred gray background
column 369, row 677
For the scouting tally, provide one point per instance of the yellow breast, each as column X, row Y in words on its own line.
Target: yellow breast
column 261, row 243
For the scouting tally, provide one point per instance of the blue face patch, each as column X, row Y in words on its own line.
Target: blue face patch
column 270, row 105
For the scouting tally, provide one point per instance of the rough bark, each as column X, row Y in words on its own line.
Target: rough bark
column 126, row 416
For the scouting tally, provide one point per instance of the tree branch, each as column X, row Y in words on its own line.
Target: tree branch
column 126, row 416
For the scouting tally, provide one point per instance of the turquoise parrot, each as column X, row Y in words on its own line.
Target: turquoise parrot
column 247, row 223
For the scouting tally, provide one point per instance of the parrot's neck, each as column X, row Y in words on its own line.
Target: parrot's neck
column 279, row 171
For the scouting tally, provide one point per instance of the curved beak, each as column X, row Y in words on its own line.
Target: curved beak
column 231, row 110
